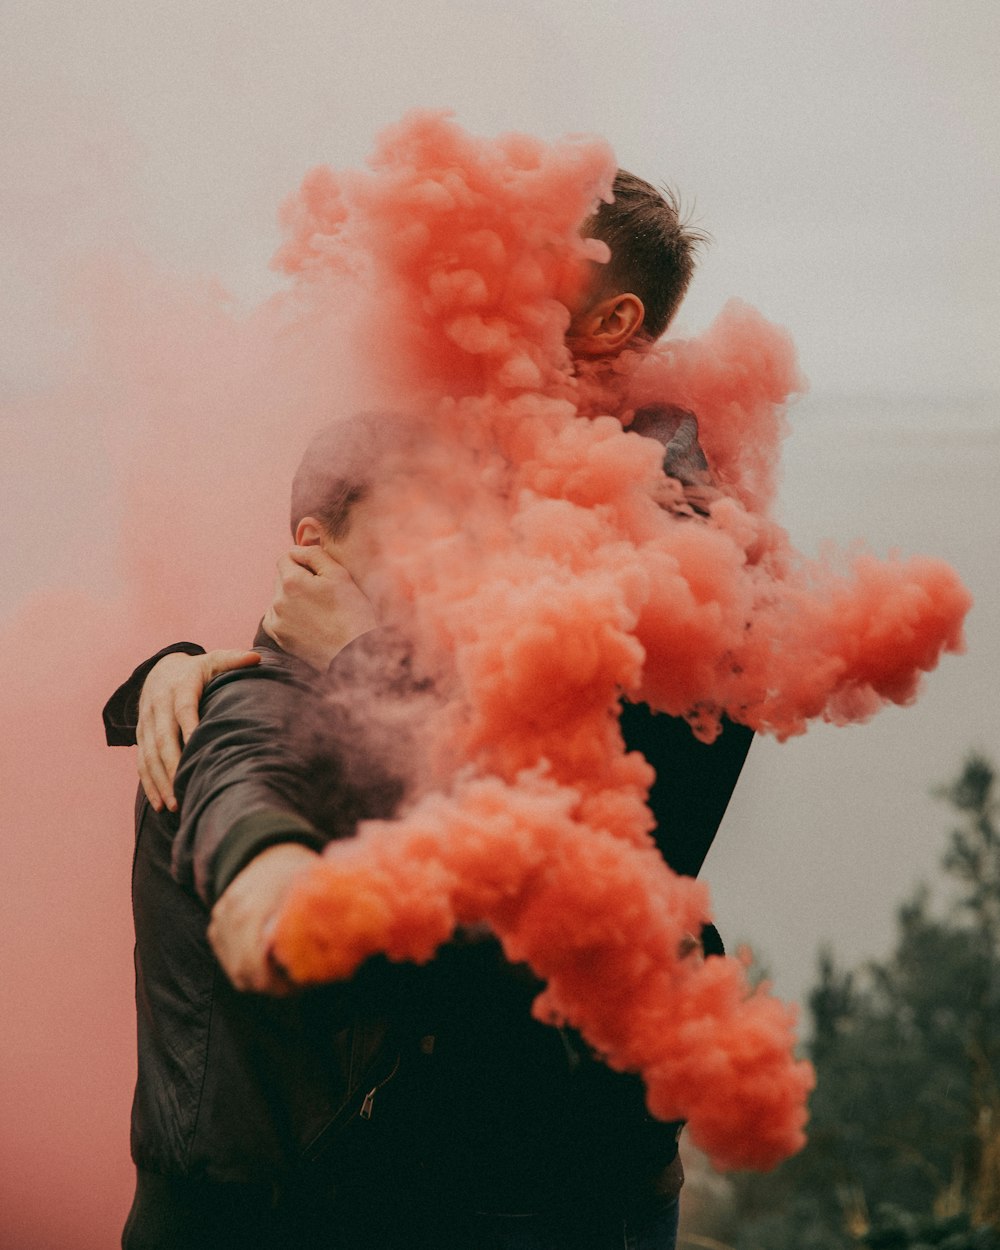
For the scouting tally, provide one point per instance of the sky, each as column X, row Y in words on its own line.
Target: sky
column 845, row 159
column 843, row 156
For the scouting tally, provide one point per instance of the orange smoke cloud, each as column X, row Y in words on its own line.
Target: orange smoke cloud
column 599, row 917
column 542, row 578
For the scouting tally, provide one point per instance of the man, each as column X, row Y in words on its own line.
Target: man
column 628, row 1171
column 241, row 1085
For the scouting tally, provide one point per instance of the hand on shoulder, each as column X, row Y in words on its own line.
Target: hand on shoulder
column 168, row 715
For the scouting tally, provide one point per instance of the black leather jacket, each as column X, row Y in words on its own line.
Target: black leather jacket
column 471, row 1089
column 236, row 1086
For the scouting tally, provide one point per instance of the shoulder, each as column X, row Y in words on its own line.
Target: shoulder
column 269, row 691
column 276, row 668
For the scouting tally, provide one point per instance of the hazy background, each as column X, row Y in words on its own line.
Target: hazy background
column 843, row 156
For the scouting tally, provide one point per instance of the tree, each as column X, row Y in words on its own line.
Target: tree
column 973, row 859
column 904, row 1141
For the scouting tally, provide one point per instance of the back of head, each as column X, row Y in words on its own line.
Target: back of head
column 329, row 480
column 652, row 251
column 341, row 465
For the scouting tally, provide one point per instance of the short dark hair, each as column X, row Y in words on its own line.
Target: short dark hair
column 652, row 251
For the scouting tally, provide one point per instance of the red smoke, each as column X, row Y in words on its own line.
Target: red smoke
column 174, row 430
column 588, row 589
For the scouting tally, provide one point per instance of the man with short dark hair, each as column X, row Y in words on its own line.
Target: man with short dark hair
column 652, row 259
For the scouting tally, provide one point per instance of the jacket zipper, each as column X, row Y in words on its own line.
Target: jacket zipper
column 369, row 1103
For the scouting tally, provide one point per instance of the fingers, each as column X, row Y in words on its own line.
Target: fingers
column 294, row 580
column 154, row 784
column 158, row 737
column 218, row 662
column 292, row 572
column 314, row 560
column 158, row 754
column 250, row 966
column 168, row 715
column 279, row 983
column 302, row 557
column 310, row 570
column 167, row 753
column 312, row 557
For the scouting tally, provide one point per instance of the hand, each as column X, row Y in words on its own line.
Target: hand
column 243, row 918
column 168, row 714
column 317, row 608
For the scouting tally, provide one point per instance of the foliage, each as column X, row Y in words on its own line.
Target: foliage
column 904, row 1149
column 894, row 1229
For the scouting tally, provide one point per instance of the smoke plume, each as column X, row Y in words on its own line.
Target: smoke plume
column 541, row 578
column 528, row 558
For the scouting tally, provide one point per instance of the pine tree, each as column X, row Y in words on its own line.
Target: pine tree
column 904, row 1140
column 973, row 859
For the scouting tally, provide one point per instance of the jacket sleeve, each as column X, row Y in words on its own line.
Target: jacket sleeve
column 243, row 780
column 121, row 712
column 694, row 780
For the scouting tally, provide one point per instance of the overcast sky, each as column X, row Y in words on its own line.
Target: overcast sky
column 843, row 155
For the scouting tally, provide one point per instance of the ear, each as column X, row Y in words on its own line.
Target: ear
column 308, row 532
column 606, row 327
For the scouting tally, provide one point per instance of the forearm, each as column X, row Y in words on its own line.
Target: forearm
column 243, row 841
